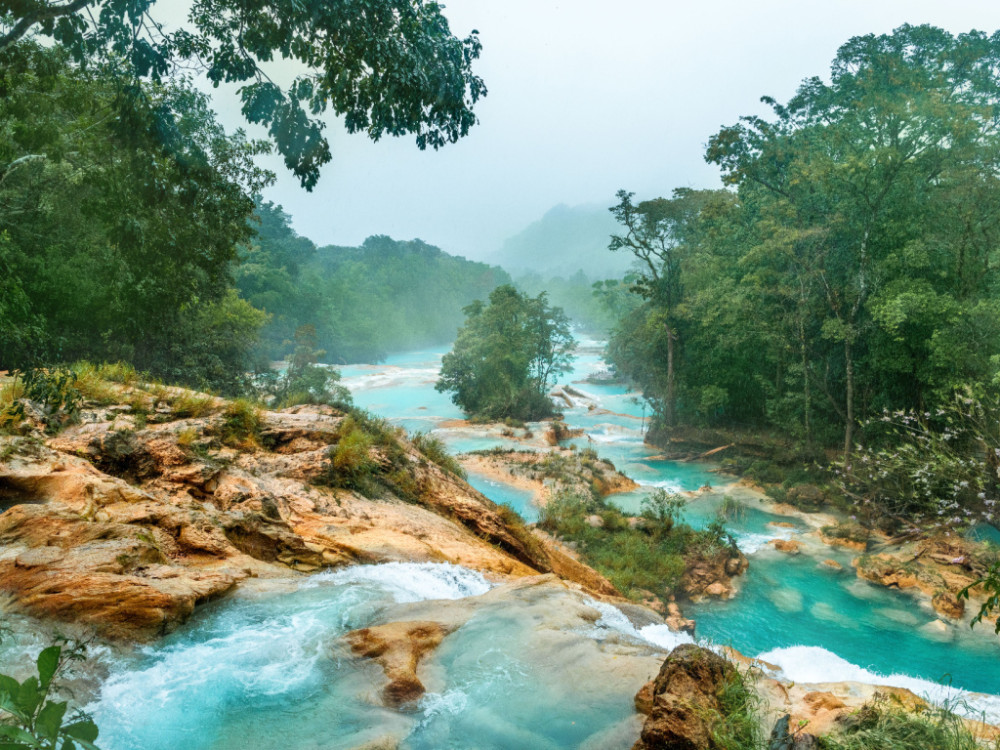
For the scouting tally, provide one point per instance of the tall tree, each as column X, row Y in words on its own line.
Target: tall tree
column 654, row 232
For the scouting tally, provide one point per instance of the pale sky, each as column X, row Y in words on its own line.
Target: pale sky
column 586, row 97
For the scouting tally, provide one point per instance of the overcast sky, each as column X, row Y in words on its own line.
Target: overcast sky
column 586, row 97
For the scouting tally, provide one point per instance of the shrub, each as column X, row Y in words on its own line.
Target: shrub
column 241, row 424
column 888, row 725
column 351, row 464
column 191, row 404
column 93, row 386
column 54, row 391
column 738, row 724
column 635, row 558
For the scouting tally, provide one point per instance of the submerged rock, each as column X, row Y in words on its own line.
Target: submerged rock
column 398, row 648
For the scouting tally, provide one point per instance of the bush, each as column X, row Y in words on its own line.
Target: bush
column 887, row 725
column 53, row 390
column 738, row 725
column 353, row 465
column 635, row 558
column 191, row 404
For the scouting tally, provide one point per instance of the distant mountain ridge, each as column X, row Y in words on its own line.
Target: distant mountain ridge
column 565, row 240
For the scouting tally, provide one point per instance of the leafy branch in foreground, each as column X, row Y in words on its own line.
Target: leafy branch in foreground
column 31, row 719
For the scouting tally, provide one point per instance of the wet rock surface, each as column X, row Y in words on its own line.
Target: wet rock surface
column 126, row 528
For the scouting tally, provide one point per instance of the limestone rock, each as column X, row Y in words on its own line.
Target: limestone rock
column 127, row 529
column 789, row 546
column 398, row 648
column 947, row 604
column 684, row 697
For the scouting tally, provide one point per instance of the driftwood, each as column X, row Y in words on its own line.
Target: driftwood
column 706, row 454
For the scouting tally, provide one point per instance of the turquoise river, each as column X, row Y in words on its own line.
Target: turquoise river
column 255, row 670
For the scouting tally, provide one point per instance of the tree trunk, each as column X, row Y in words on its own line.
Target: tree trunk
column 806, row 392
column 671, row 381
column 849, row 401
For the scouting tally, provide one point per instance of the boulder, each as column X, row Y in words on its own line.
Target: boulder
column 683, row 700
column 788, row 546
column 784, row 738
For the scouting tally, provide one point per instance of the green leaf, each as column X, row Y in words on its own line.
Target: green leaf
column 49, row 720
column 48, row 663
column 28, row 696
column 84, row 729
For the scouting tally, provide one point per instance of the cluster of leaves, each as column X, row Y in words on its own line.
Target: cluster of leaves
column 636, row 558
column 385, row 66
column 31, row 718
column 506, row 356
column 52, row 391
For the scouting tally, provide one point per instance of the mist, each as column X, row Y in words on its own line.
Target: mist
column 584, row 99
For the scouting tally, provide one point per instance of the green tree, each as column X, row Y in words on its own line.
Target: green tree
column 386, row 66
column 905, row 125
column 507, row 355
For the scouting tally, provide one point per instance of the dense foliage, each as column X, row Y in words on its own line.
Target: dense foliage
column 117, row 234
column 506, row 356
column 852, row 267
column 386, row 66
column 363, row 302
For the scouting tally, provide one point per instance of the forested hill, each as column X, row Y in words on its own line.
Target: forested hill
column 567, row 239
column 364, row 302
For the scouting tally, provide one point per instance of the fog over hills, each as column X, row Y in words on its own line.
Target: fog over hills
column 565, row 240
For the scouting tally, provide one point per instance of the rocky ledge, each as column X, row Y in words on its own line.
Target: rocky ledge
column 126, row 522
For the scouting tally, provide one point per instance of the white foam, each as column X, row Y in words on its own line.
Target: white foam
column 391, row 377
column 414, row 582
column 613, row 619
column 276, row 657
column 451, row 702
column 670, row 485
column 811, row 664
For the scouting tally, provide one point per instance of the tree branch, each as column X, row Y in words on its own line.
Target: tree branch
column 52, row 11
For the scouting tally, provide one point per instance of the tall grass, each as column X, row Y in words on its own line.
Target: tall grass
column 887, row 725
column 436, row 452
